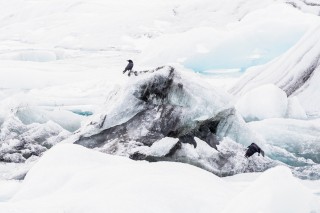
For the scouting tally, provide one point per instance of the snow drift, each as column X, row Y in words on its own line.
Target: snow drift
column 276, row 190
column 75, row 179
column 267, row 101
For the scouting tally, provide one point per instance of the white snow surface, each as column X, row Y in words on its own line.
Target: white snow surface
column 266, row 101
column 71, row 178
column 234, row 45
column 275, row 191
column 295, row 110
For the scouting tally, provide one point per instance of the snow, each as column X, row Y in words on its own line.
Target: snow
column 61, row 60
column 33, row 55
column 239, row 45
column 8, row 189
column 295, row 110
column 276, row 190
column 266, row 101
column 75, row 179
column 296, row 72
column 159, row 148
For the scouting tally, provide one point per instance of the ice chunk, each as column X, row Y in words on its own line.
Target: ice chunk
column 267, row 101
column 19, row 141
column 162, row 147
column 298, row 137
column 295, row 110
column 229, row 159
column 68, row 120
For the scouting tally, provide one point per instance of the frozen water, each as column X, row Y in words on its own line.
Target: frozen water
column 266, row 101
column 295, row 110
column 296, row 72
column 61, row 58
column 229, row 159
column 33, row 55
column 298, row 137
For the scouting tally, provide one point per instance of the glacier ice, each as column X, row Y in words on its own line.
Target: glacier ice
column 266, row 101
column 298, row 137
column 234, row 33
column 165, row 102
column 275, row 191
column 172, row 102
column 295, row 110
column 296, row 72
column 253, row 36
column 28, row 131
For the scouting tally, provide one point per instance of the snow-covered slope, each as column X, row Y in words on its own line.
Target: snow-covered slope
column 309, row 6
column 274, row 191
column 261, row 32
column 297, row 72
column 60, row 32
column 86, row 25
column 71, row 178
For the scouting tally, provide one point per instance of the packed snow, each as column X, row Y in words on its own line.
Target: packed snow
column 71, row 178
column 267, row 101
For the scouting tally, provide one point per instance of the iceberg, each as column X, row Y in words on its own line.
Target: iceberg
column 170, row 102
column 266, row 101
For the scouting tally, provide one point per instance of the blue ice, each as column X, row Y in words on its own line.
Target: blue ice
column 246, row 50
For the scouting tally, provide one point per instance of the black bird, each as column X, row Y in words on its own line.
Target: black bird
column 129, row 66
column 253, row 148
